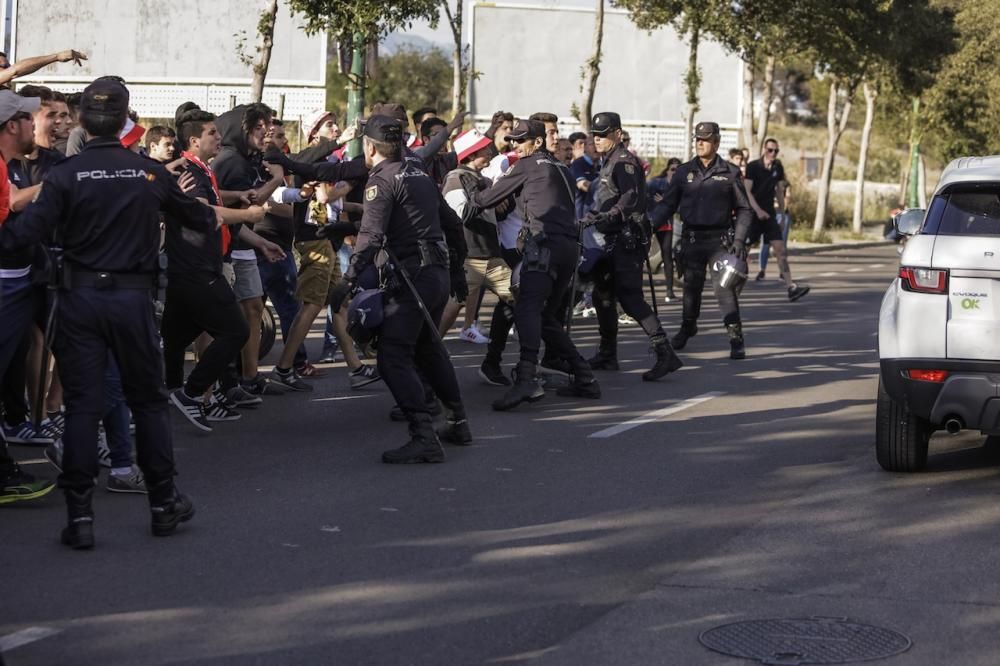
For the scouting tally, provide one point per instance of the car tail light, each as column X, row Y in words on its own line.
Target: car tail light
column 936, row 376
column 924, row 280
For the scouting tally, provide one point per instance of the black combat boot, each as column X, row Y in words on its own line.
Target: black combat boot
column 456, row 430
column 168, row 507
column 526, row 388
column 666, row 360
column 606, row 357
column 582, row 384
column 737, row 350
column 689, row 329
column 423, row 446
column 396, row 413
column 79, row 531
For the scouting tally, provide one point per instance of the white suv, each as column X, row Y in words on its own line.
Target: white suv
column 939, row 327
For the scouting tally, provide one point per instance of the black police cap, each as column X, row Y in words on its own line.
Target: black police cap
column 105, row 96
column 605, row 122
column 526, row 129
column 706, row 130
column 383, row 128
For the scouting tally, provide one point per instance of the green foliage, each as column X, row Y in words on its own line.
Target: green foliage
column 372, row 18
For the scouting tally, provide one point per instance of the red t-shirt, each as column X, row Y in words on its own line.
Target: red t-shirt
column 4, row 191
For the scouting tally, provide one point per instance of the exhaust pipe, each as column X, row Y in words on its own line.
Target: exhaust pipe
column 953, row 425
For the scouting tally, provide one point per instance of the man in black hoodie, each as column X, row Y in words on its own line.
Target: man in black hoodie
column 239, row 167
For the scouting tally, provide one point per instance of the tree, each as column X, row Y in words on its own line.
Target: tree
column 459, row 64
column 592, row 69
column 413, row 77
column 261, row 60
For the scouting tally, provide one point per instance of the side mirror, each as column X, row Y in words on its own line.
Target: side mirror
column 909, row 222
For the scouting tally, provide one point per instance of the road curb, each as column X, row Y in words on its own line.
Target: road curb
column 816, row 249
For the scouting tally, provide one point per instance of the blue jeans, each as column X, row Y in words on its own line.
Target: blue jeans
column 279, row 280
column 16, row 312
column 116, row 416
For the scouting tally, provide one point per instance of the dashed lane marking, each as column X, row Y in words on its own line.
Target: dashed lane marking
column 876, row 266
column 856, row 269
column 25, row 636
column 657, row 415
column 345, row 397
column 826, row 275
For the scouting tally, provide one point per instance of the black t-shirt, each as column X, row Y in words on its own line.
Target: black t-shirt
column 765, row 183
column 22, row 174
column 193, row 256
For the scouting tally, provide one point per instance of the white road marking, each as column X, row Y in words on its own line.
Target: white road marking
column 25, row 636
column 329, row 528
column 657, row 415
column 346, row 397
column 855, row 270
column 876, row 266
column 34, row 461
column 826, row 274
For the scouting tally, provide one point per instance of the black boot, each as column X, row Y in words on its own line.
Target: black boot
column 423, row 446
column 526, row 388
column 456, row 429
column 606, row 357
column 737, row 350
column 689, row 329
column 666, row 360
column 168, row 507
column 583, row 384
column 79, row 531
column 396, row 413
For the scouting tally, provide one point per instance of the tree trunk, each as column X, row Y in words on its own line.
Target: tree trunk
column 356, row 89
column 592, row 69
column 765, row 105
column 458, row 81
column 265, row 36
column 692, row 82
column 871, row 94
column 836, row 122
column 746, row 121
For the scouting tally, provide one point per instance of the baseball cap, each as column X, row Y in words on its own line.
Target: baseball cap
column 12, row 104
column 605, row 122
column 526, row 129
column 393, row 110
column 105, row 96
column 470, row 142
column 383, row 128
column 312, row 122
column 706, row 130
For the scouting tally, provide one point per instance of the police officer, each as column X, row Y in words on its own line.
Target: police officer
column 545, row 194
column 102, row 207
column 619, row 213
column 403, row 215
column 708, row 193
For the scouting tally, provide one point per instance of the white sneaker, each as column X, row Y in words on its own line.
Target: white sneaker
column 625, row 320
column 473, row 335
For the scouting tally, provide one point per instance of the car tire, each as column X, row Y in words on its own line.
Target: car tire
column 267, row 332
column 901, row 438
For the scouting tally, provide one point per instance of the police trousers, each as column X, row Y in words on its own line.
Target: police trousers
column 542, row 294
column 618, row 278
column 409, row 349
column 92, row 321
column 698, row 250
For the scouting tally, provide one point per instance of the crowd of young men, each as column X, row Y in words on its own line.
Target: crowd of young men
column 516, row 210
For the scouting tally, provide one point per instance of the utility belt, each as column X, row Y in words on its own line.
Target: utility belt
column 73, row 278
column 428, row 253
column 696, row 234
column 634, row 234
column 536, row 257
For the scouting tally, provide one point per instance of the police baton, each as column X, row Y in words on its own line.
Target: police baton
column 38, row 409
column 652, row 290
column 420, row 302
column 573, row 280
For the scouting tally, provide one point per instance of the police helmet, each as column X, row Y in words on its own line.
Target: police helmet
column 364, row 315
column 729, row 271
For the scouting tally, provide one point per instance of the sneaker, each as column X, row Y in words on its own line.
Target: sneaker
column 133, row 482
column 237, row 397
column 193, row 410
column 25, row 433
column 260, row 385
column 671, row 297
column 363, row 376
column 58, row 420
column 625, row 320
column 589, row 311
column 290, row 380
column 54, row 452
column 20, row 486
column 760, row 276
column 473, row 335
column 492, row 374
column 51, row 428
column 218, row 410
column 559, row 366
column 329, row 355
column 307, row 370
column 796, row 292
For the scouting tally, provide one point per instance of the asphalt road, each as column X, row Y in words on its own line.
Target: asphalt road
column 565, row 535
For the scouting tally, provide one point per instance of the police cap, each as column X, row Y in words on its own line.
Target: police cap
column 605, row 122
column 383, row 128
column 393, row 110
column 526, row 129
column 106, row 97
column 706, row 130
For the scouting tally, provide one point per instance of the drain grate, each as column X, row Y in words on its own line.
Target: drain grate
column 799, row 641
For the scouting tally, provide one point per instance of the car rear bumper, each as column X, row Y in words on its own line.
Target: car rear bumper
column 971, row 393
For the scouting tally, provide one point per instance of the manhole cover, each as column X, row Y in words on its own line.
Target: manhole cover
column 795, row 641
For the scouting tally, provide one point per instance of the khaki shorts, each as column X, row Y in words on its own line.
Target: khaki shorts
column 319, row 271
column 493, row 274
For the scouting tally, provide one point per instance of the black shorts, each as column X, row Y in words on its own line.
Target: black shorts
column 769, row 229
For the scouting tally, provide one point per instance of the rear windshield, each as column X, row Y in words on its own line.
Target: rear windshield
column 969, row 209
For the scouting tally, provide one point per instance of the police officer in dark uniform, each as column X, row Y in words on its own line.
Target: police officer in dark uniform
column 708, row 193
column 403, row 215
column 545, row 195
column 619, row 213
column 102, row 207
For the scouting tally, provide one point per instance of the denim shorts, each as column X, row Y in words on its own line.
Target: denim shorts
column 248, row 284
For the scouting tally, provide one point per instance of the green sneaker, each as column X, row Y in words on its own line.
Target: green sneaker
column 19, row 486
